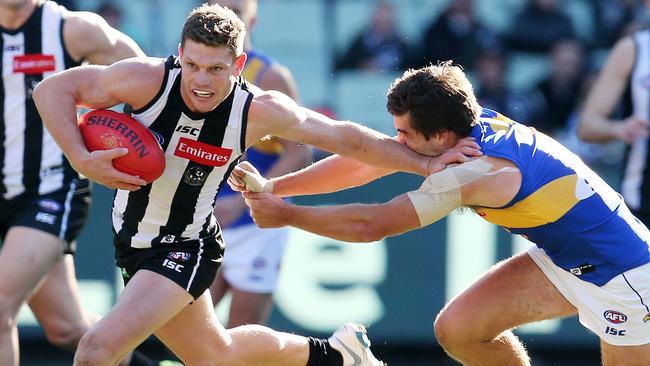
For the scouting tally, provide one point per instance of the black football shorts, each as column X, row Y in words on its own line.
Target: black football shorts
column 191, row 264
column 61, row 213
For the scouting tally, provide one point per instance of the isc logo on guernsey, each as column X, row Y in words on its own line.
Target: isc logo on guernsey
column 202, row 153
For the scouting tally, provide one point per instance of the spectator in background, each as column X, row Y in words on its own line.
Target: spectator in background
column 560, row 90
column 493, row 92
column 456, row 35
column 379, row 47
column 538, row 27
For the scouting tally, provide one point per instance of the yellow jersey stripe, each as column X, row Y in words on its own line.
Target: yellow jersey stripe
column 547, row 204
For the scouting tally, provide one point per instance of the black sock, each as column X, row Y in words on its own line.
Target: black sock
column 322, row 354
column 140, row 359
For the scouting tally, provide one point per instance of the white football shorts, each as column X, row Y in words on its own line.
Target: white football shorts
column 617, row 312
column 253, row 257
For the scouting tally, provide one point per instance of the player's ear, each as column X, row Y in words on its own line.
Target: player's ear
column 180, row 50
column 240, row 62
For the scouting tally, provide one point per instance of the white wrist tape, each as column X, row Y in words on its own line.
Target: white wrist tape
column 257, row 183
column 440, row 192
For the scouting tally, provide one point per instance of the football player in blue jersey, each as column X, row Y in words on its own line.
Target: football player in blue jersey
column 591, row 256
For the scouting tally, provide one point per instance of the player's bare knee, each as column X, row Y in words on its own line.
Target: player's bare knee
column 448, row 330
column 65, row 335
column 93, row 350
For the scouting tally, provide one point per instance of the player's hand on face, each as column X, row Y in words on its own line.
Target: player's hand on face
column 634, row 128
column 465, row 150
column 468, row 147
column 267, row 210
column 98, row 166
column 246, row 178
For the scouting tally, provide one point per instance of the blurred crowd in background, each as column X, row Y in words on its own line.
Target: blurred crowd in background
column 534, row 64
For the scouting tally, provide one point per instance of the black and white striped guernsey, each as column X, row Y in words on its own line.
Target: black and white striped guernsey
column 200, row 149
column 635, row 185
column 32, row 163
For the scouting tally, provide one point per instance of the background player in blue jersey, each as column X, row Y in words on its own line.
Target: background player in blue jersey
column 591, row 255
column 43, row 201
column 251, row 263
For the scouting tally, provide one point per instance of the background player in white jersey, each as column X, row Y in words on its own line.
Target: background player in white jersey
column 624, row 81
column 43, row 202
column 591, row 255
column 210, row 108
column 251, row 264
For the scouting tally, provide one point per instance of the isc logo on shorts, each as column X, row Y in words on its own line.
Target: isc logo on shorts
column 173, row 265
column 614, row 331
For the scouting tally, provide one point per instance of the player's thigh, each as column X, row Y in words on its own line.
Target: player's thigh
column 513, row 292
column 625, row 355
column 27, row 255
column 195, row 333
column 249, row 308
column 149, row 301
column 57, row 303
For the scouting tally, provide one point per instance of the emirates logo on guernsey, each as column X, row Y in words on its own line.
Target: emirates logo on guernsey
column 202, row 153
column 33, row 64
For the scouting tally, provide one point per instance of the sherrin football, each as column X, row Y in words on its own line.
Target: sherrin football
column 105, row 129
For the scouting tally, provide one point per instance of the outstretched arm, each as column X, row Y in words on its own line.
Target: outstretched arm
column 353, row 223
column 336, row 173
column 488, row 182
column 273, row 113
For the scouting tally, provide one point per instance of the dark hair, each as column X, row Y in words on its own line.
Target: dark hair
column 437, row 98
column 215, row 26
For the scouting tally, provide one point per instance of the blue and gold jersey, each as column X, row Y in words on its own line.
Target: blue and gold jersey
column 562, row 206
column 266, row 152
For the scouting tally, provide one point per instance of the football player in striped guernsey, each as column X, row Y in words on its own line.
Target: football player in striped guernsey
column 167, row 241
column 43, row 201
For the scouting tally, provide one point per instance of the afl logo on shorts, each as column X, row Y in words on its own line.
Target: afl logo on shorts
column 195, row 176
column 615, row 317
column 48, row 205
column 646, row 318
column 179, row 256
